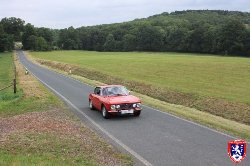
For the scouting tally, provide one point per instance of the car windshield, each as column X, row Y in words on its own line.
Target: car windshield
column 116, row 91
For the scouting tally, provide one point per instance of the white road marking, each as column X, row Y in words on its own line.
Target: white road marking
column 136, row 155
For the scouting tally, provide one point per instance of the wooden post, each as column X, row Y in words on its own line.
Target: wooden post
column 14, row 85
column 14, row 80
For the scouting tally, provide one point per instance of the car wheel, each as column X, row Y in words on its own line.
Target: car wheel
column 137, row 113
column 91, row 105
column 105, row 113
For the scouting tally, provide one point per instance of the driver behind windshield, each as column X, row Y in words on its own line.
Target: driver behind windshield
column 115, row 91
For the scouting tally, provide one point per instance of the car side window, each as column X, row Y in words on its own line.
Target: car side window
column 97, row 91
column 104, row 92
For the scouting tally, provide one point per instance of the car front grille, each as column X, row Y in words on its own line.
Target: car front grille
column 126, row 106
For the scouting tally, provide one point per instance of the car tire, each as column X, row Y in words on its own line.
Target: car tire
column 137, row 113
column 91, row 105
column 105, row 113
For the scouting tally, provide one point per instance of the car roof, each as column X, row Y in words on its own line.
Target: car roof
column 105, row 86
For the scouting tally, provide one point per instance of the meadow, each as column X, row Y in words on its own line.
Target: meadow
column 202, row 76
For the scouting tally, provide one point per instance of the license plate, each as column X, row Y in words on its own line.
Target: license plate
column 127, row 111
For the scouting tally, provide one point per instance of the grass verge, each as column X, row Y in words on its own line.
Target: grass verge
column 207, row 119
column 38, row 129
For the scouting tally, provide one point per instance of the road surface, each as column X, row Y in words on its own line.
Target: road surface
column 154, row 138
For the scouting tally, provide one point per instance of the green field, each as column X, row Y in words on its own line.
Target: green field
column 207, row 76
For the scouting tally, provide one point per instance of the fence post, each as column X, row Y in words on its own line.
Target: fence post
column 14, row 80
column 14, row 85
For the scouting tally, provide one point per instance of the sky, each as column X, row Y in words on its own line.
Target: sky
column 58, row 14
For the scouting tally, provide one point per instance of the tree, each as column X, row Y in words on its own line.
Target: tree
column 46, row 33
column 32, row 42
column 29, row 30
column 37, row 43
column 41, row 44
column 110, row 44
column 176, row 38
column 150, row 38
column 13, row 26
column 246, row 43
column 6, row 40
column 69, row 44
column 97, row 39
column 129, row 42
column 69, row 39
column 232, row 36
column 210, row 40
column 196, row 38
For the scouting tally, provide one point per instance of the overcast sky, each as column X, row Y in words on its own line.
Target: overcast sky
column 65, row 13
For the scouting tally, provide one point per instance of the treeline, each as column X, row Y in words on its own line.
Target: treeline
column 14, row 30
column 200, row 31
column 216, row 32
column 10, row 31
column 38, row 39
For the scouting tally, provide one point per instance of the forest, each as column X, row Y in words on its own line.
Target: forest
column 197, row 31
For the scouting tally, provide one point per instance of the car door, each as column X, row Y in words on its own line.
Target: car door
column 96, row 98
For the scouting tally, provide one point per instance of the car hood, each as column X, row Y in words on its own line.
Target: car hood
column 123, row 99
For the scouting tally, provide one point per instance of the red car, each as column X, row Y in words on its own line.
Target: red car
column 115, row 100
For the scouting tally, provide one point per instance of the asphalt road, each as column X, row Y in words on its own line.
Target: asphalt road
column 154, row 138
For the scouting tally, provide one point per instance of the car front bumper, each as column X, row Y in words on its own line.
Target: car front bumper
column 124, row 112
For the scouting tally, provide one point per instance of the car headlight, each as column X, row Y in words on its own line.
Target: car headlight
column 134, row 105
column 117, row 106
column 112, row 107
column 138, row 105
